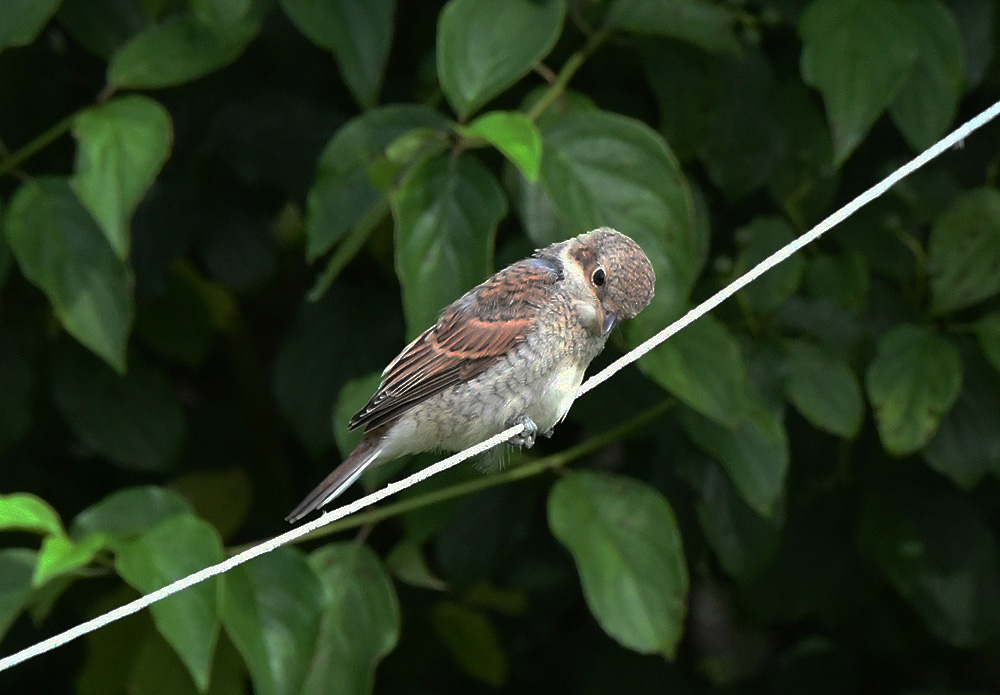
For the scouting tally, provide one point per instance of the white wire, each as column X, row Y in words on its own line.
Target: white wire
column 777, row 257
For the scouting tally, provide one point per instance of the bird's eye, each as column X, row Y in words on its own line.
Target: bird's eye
column 598, row 277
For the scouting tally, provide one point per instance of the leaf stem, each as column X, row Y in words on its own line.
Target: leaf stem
column 9, row 164
column 528, row 470
column 567, row 72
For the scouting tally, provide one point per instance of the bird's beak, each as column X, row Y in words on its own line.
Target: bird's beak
column 610, row 321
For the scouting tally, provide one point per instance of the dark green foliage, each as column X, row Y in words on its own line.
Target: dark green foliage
column 219, row 219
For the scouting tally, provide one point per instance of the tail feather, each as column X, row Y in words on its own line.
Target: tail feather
column 339, row 480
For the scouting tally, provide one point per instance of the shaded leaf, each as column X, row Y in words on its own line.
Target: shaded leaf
column 406, row 562
column 102, row 26
column 476, row 59
column 928, row 101
column 133, row 420
column 754, row 453
column 223, row 498
column 975, row 20
column 446, row 212
column 698, row 22
column 703, row 366
column 61, row 249
column 178, row 324
column 16, row 567
column 360, row 622
column 964, row 251
column 743, row 540
column 188, row 620
column 319, row 354
column 912, row 383
column 359, row 32
column 742, row 141
column 20, row 511
column 123, row 143
column 824, row 390
column 967, row 443
column 177, row 50
column 23, row 20
column 859, row 55
column 272, row 612
column 342, row 196
column 987, row 331
column 941, row 557
column 762, row 237
column 515, row 135
column 624, row 538
column 472, row 640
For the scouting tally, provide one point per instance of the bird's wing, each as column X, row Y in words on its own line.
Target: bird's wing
column 471, row 334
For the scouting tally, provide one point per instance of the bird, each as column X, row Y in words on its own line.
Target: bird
column 512, row 350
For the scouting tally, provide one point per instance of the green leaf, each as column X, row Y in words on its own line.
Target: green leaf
column 754, row 453
column 16, row 567
column 360, row 622
column 859, row 55
column 473, row 641
column 928, row 101
column 624, row 538
column 964, row 252
column 129, row 512
column 21, row 511
column 602, row 169
column 967, row 444
column 446, row 212
column 60, row 249
column 538, row 217
column 133, row 420
column 180, row 49
column 987, row 331
column 941, row 557
column 272, row 612
column 743, row 540
column 515, row 135
column 824, row 390
column 342, row 196
column 762, row 237
column 173, row 549
column 698, row 22
column 912, row 384
column 60, row 555
column 359, row 32
column 354, row 395
column 476, row 58
column 123, row 144
column 221, row 15
column 156, row 670
column 703, row 366
column 407, row 563
column 23, row 20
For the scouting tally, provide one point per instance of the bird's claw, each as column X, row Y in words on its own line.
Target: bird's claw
column 525, row 439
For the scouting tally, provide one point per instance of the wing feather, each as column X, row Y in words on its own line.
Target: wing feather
column 471, row 335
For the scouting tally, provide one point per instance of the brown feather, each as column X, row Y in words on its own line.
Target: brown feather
column 471, row 334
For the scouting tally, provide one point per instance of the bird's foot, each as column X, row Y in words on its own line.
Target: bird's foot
column 526, row 438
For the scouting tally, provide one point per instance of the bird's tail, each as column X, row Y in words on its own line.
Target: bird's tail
column 340, row 479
